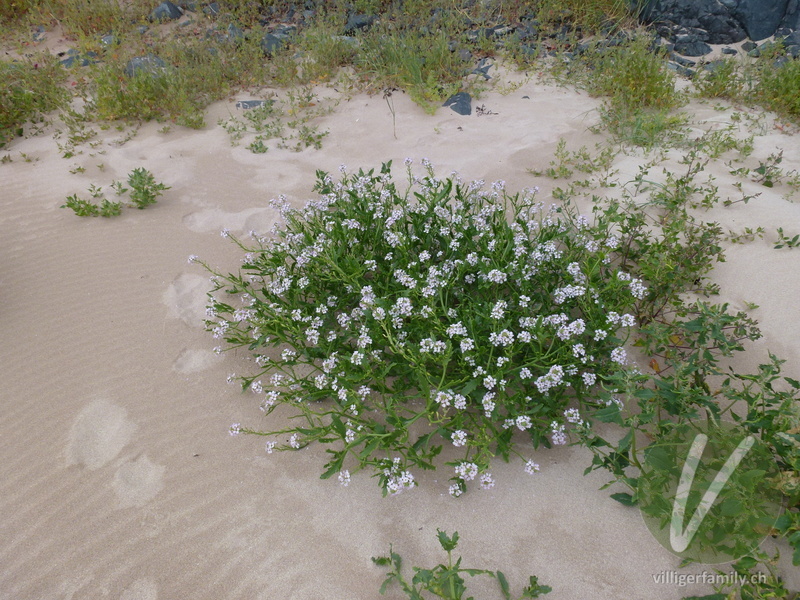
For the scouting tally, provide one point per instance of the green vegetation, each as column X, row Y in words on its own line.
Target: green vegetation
column 28, row 90
column 144, row 191
column 446, row 580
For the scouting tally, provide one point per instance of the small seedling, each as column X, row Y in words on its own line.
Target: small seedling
column 445, row 580
column 81, row 207
column 144, row 188
column 785, row 241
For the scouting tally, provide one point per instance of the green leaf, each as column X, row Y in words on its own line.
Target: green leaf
column 624, row 498
column 503, row 585
column 448, row 543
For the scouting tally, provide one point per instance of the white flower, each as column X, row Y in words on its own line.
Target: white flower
column 489, row 382
column 443, row 398
column 467, row 344
column 589, row 378
column 504, row 338
column 524, row 422
column 554, row 377
column 524, row 300
column 467, row 471
column 637, row 288
column 487, row 482
column 460, row 402
column 618, row 355
column 357, row 358
column 573, row 416
column 499, row 309
column 456, row 329
column 459, row 438
column 558, row 437
column 525, row 373
column 293, row 442
column 349, row 436
column 225, row 233
column 488, row 403
column 600, row 334
column 269, row 447
column 455, row 490
column 235, row 429
column 344, row 478
column 627, row 320
column 531, row 467
column 496, row 276
column 193, row 258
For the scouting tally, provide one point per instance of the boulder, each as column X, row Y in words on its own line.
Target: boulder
column 760, row 18
column 358, row 22
column 149, row 63
column 166, row 11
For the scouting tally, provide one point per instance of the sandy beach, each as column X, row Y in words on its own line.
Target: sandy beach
column 118, row 477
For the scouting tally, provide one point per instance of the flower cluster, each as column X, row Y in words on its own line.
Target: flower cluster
column 400, row 324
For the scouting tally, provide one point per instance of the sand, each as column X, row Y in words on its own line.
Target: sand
column 118, row 478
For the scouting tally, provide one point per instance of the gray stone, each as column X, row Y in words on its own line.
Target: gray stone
column 272, row 42
column 212, row 9
column 358, row 22
column 760, row 18
column 166, row 11
column 692, row 47
column 729, row 51
column 150, row 63
column 460, row 103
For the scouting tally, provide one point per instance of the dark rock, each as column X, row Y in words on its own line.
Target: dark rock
column 166, row 11
column 729, row 51
column 714, row 65
column 692, row 47
column 460, row 103
column 760, row 18
column 272, row 42
column 680, row 70
column 483, row 68
column 235, row 34
column 765, row 48
column 150, row 63
column 75, row 58
column 358, row 22
column 212, row 9
column 791, row 20
column 749, row 46
column 465, row 55
column 711, row 17
column 792, row 39
column 682, row 61
column 110, row 39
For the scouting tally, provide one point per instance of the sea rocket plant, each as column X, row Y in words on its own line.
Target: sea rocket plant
column 446, row 316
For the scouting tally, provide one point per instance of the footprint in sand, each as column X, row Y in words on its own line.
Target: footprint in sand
column 98, row 434
column 194, row 361
column 252, row 219
column 186, row 299
column 138, row 481
column 141, row 589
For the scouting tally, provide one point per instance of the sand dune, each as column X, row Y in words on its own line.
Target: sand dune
column 118, row 478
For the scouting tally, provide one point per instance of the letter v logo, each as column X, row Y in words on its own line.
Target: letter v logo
column 680, row 538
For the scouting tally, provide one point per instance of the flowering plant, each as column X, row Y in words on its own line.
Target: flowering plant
column 444, row 315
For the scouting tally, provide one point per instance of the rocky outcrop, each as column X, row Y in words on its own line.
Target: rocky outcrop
column 722, row 21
